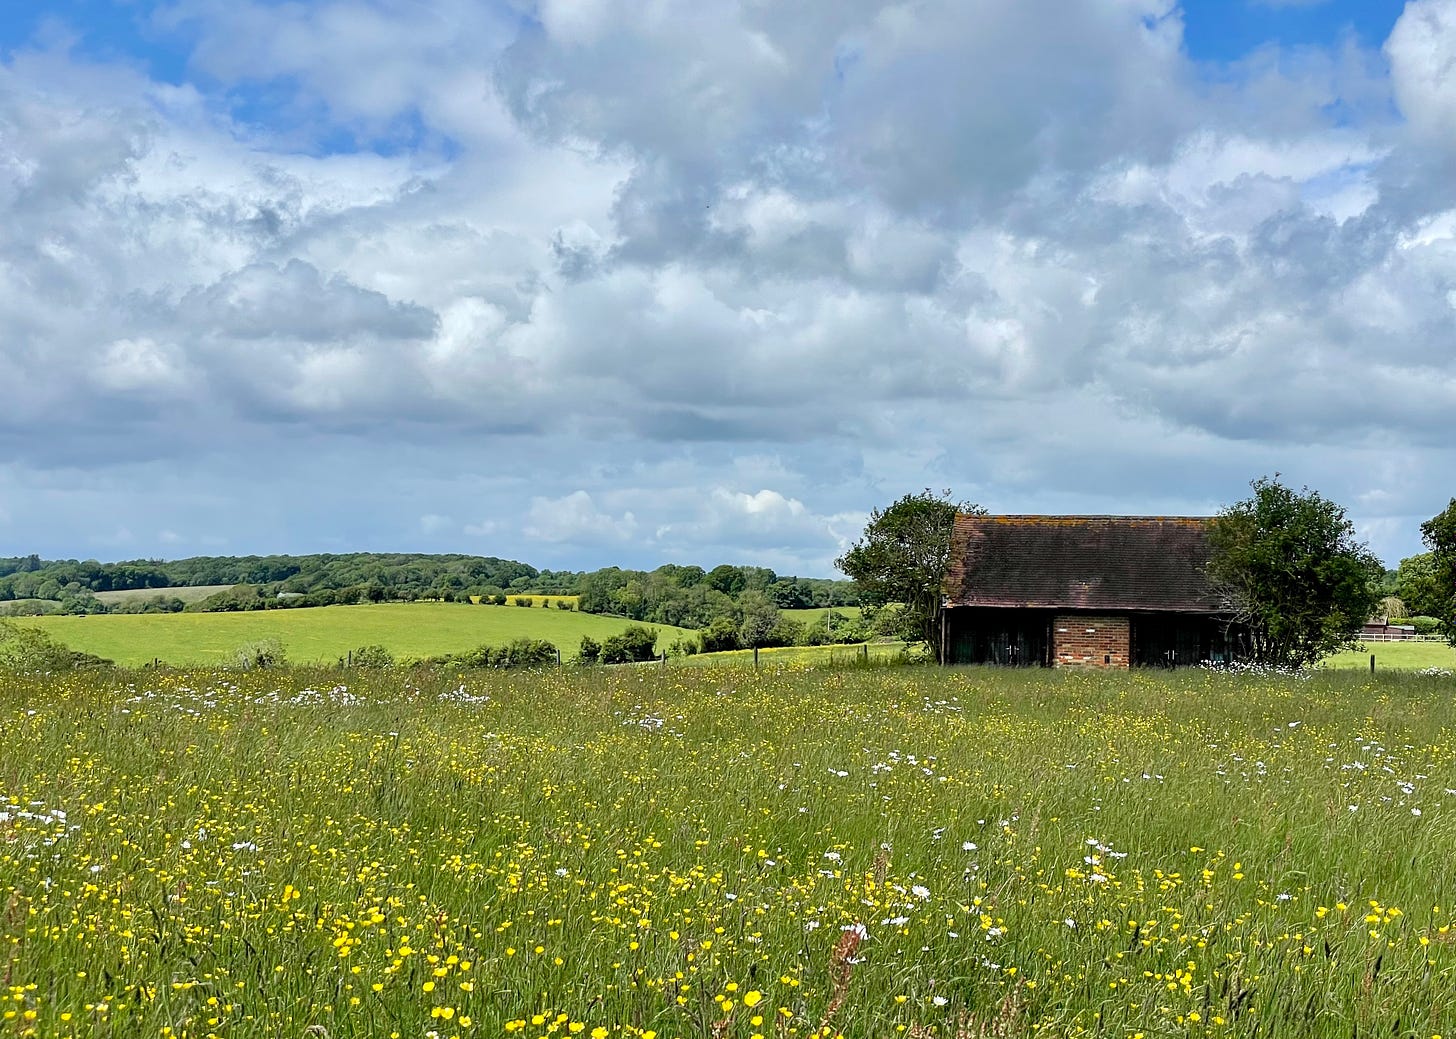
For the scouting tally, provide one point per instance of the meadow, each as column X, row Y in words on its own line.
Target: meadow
column 324, row 634
column 867, row 852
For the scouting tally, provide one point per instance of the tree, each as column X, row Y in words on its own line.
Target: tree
column 902, row 558
column 1419, row 586
column 760, row 617
column 1297, row 583
column 1439, row 532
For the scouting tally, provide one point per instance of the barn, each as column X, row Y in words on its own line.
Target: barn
column 1082, row 591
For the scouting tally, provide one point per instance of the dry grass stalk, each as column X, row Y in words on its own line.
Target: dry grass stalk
column 841, row 962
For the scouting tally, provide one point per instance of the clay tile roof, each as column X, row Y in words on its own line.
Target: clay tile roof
column 1081, row 562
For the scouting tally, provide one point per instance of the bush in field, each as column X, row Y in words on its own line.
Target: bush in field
column 683, row 647
column 521, row 600
column 23, row 648
column 631, row 646
column 565, row 604
column 372, row 657
column 516, row 654
column 263, row 653
column 525, row 653
column 590, row 651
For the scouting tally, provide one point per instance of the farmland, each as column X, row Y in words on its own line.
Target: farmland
column 325, row 634
column 187, row 593
column 633, row 852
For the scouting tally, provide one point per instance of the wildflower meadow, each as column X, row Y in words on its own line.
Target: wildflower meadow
column 654, row 853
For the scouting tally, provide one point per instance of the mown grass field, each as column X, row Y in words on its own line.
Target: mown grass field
column 324, row 634
column 1407, row 656
column 627, row 852
column 189, row 593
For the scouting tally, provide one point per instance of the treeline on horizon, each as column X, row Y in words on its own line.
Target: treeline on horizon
column 683, row 596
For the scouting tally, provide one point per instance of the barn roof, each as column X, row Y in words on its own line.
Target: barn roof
column 1081, row 562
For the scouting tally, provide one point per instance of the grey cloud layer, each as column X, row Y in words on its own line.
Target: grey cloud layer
column 966, row 243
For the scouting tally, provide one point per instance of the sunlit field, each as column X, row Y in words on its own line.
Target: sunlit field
column 323, row 634
column 870, row 852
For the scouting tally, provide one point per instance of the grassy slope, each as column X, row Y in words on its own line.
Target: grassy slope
column 815, row 614
column 189, row 593
column 327, row 633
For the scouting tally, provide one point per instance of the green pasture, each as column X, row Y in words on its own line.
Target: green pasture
column 1395, row 656
column 815, row 615
column 325, row 633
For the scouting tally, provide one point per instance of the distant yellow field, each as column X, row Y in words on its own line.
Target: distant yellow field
column 550, row 601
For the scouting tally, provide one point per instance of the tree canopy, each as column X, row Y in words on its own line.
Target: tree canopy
column 1298, row 583
column 902, row 558
column 1439, row 533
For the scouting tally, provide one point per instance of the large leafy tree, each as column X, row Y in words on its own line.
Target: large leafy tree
column 1439, row 533
column 1296, row 580
column 1418, row 585
column 902, row 558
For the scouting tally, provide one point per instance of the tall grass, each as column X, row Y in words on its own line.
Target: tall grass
column 714, row 852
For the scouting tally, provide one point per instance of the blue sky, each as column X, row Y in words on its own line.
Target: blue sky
column 567, row 283
column 1226, row 30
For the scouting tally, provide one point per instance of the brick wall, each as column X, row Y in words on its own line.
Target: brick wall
column 1090, row 642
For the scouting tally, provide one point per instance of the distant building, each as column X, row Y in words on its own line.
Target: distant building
column 1384, row 631
column 1082, row 591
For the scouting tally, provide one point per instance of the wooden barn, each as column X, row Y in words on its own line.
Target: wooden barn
column 1081, row 591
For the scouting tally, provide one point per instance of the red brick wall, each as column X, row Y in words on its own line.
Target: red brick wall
column 1090, row 642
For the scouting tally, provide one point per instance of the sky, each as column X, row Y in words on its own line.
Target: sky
column 598, row 282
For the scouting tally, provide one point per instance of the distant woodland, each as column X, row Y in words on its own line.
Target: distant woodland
column 684, row 596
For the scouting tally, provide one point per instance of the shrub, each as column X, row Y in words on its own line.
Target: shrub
column 255, row 656
column 590, row 650
column 631, row 646
column 372, row 657
column 565, row 604
column 520, row 600
column 524, row 653
column 517, row 654
column 23, row 648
